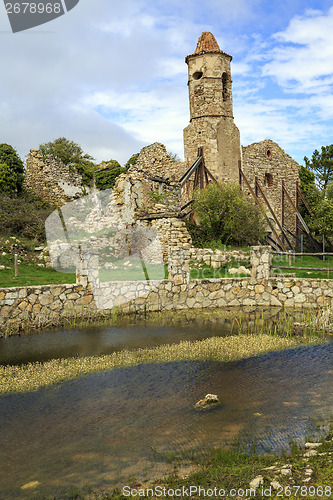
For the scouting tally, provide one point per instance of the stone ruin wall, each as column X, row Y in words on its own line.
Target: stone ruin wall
column 51, row 180
column 267, row 161
column 125, row 220
column 149, row 194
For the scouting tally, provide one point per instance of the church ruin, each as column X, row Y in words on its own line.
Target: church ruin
column 213, row 151
column 158, row 191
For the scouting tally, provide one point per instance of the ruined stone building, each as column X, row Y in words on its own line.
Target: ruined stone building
column 263, row 168
column 154, row 191
column 53, row 181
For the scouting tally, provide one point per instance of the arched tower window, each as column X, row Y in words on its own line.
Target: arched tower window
column 197, row 75
column 225, row 80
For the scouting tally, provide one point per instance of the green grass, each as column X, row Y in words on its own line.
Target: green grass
column 33, row 376
column 138, row 271
column 203, row 271
column 305, row 261
column 33, row 275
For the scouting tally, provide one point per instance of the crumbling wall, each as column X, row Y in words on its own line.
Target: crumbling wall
column 150, row 193
column 51, row 180
column 272, row 166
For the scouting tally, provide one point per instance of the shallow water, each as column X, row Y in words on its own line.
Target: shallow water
column 104, row 428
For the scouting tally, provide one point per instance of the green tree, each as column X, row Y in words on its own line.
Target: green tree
column 310, row 191
column 106, row 178
column 64, row 150
column 9, row 157
column 322, row 165
column 132, row 161
column 225, row 213
column 8, row 179
column 322, row 221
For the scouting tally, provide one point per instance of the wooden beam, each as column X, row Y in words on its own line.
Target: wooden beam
column 262, row 209
column 273, row 213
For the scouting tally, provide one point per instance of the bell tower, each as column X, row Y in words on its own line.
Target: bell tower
column 212, row 126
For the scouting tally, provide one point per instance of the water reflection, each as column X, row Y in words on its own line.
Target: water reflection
column 103, row 428
column 131, row 333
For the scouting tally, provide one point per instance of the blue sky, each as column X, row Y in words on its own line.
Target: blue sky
column 112, row 76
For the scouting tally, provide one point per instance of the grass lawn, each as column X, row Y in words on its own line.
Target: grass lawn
column 133, row 270
column 33, row 275
column 203, row 271
column 305, row 261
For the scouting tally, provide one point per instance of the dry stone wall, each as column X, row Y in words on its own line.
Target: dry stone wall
column 45, row 305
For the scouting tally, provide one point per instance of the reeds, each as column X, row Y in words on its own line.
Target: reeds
column 34, row 376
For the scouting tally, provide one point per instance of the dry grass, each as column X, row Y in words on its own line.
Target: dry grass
column 34, row 376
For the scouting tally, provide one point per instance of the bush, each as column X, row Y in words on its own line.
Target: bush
column 106, row 179
column 9, row 157
column 8, row 179
column 224, row 213
column 87, row 171
column 132, row 161
column 23, row 215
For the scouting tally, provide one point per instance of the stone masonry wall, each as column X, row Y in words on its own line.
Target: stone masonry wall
column 51, row 180
column 46, row 304
column 271, row 165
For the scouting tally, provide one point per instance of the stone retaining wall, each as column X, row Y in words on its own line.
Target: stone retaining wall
column 46, row 304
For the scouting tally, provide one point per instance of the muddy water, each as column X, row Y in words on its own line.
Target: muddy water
column 103, row 429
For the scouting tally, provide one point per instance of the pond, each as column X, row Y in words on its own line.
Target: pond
column 125, row 425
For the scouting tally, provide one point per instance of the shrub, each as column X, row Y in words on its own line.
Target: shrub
column 87, row 171
column 132, row 161
column 23, row 215
column 9, row 157
column 226, row 214
column 106, row 179
column 8, row 179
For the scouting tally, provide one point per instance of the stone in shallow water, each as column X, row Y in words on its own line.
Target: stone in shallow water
column 209, row 401
column 32, row 484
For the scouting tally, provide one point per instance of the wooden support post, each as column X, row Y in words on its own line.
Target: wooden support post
column 297, row 206
column 282, row 208
column 16, row 264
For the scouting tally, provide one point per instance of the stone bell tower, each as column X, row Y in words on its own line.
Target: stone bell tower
column 212, row 126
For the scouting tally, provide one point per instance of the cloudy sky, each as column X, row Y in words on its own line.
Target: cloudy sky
column 111, row 75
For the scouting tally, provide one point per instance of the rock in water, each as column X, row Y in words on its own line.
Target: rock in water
column 209, row 401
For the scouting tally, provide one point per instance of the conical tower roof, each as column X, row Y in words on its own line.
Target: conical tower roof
column 207, row 44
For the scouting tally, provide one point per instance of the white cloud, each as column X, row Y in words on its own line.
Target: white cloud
column 302, row 61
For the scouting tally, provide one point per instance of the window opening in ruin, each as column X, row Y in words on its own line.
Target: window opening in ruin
column 197, row 75
column 269, row 153
column 225, row 86
column 268, row 180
